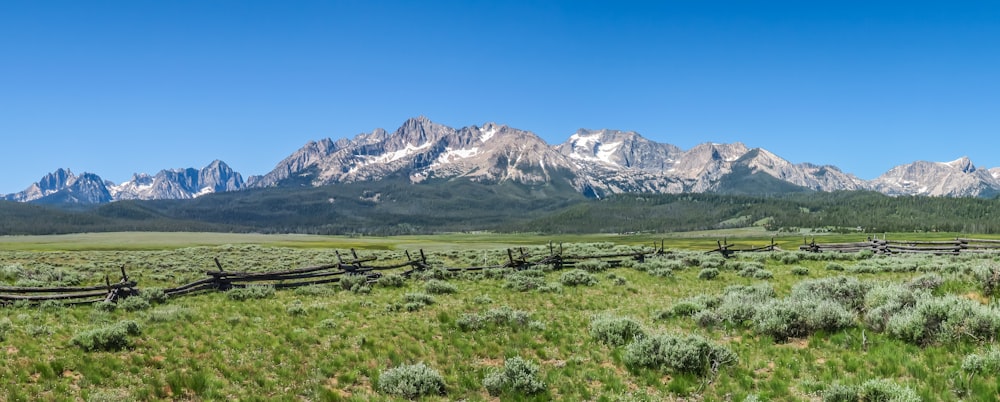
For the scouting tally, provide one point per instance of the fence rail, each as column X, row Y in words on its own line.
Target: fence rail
column 222, row 280
column 883, row 246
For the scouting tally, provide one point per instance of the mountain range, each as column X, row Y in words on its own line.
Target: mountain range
column 595, row 163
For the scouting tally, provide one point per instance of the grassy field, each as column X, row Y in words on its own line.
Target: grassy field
column 588, row 341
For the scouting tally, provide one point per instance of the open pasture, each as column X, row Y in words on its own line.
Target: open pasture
column 760, row 326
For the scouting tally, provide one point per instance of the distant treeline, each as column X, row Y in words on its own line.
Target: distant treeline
column 840, row 211
column 393, row 207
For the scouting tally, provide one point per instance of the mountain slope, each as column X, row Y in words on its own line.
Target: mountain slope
column 958, row 178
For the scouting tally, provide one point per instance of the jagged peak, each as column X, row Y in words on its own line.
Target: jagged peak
column 964, row 164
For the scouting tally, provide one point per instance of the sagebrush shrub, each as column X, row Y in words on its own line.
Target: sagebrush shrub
column 801, row 271
column 661, row 272
column 315, row 290
column 885, row 300
column 927, row 282
column 848, row 291
column 523, row 281
column 615, row 331
column 833, row 266
column 879, row 389
column 109, row 337
column 677, row 353
column 154, row 295
column 5, row 327
column 169, row 313
column 392, row 281
column 593, row 265
column 251, row 292
column 295, row 308
column 988, row 276
column 944, row 319
column 439, row 287
column 986, row 363
column 411, row 381
column 518, row 375
column 134, row 303
column 355, row 283
column 420, row 298
column 577, row 277
column 708, row 273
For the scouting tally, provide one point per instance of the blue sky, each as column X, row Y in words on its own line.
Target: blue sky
column 117, row 87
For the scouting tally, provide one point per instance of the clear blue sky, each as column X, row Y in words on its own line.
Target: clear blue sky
column 116, row 87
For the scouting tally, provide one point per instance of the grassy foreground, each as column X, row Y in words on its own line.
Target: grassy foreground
column 332, row 343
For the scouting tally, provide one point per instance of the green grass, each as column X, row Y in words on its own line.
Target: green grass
column 326, row 343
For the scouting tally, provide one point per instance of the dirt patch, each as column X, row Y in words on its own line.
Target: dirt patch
column 977, row 297
column 12, row 350
column 797, row 343
column 488, row 362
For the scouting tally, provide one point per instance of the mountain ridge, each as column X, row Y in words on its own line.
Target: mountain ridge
column 596, row 163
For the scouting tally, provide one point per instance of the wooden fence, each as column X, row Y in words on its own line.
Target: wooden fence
column 883, row 246
column 223, row 280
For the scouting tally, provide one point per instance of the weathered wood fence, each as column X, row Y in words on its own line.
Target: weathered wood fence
column 223, row 280
column 71, row 294
column 883, row 246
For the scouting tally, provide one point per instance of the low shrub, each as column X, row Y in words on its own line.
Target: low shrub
column 677, row 353
column 927, row 282
column 169, row 313
column 251, row 292
column 801, row 271
column 500, row 316
column 134, row 303
column 518, row 375
column 662, row 272
column 295, row 308
column 439, row 287
column 411, row 381
column 355, row 283
column 986, row 363
column 6, row 325
column 593, row 265
column 879, row 389
column 105, row 306
column 392, row 281
column 833, row 266
column 707, row 318
column 988, row 277
column 551, row 287
column 944, row 319
column 708, row 273
column 848, row 291
column 523, row 281
column 577, row 277
column 420, row 298
column 315, row 290
column 797, row 317
column 615, row 331
column 154, row 295
column 109, row 337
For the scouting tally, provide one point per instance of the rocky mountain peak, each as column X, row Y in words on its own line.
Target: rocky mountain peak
column 963, row 164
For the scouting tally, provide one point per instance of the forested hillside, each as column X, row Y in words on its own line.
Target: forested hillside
column 397, row 207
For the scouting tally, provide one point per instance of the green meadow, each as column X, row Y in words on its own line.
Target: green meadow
column 686, row 325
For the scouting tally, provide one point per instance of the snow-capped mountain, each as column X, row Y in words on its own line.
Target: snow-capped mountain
column 958, row 178
column 63, row 187
column 593, row 162
column 421, row 150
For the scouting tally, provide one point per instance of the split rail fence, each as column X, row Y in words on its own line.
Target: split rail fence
column 883, row 246
column 223, row 280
